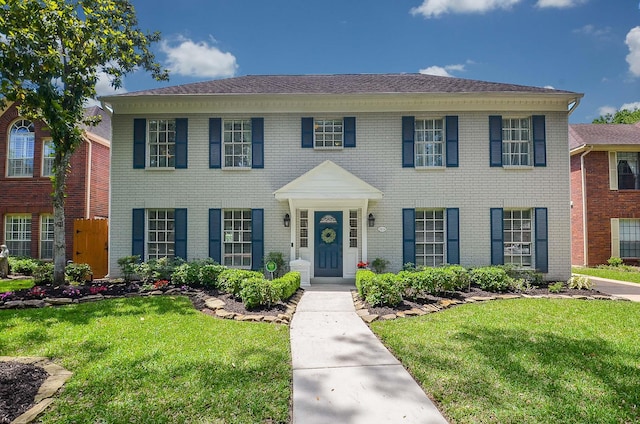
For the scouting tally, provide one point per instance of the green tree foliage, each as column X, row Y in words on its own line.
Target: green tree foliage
column 51, row 54
column 620, row 117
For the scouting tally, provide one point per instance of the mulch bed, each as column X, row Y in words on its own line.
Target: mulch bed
column 19, row 384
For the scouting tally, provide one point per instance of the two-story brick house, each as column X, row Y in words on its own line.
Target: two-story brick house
column 26, row 159
column 337, row 169
column 605, row 192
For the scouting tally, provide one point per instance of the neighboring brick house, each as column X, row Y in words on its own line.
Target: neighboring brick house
column 605, row 192
column 338, row 169
column 26, row 209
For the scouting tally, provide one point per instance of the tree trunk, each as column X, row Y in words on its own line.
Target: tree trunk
column 59, row 233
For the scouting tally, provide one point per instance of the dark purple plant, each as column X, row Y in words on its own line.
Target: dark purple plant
column 6, row 295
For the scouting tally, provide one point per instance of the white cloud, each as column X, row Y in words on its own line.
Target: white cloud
column 435, row 8
column 104, row 87
column 198, row 59
column 630, row 106
column 592, row 30
column 633, row 58
column 604, row 110
column 607, row 110
column 442, row 71
column 559, row 3
column 551, row 87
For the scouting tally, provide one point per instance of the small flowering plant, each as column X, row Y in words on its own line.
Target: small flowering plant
column 6, row 295
column 363, row 265
column 71, row 292
column 37, row 291
column 97, row 289
column 160, row 284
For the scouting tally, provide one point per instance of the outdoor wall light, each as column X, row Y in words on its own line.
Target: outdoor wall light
column 372, row 220
column 287, row 220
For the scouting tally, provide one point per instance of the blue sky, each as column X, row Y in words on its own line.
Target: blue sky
column 586, row 46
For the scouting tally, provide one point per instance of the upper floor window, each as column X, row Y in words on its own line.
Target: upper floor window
column 516, row 142
column 48, row 156
column 628, row 178
column 21, row 142
column 237, row 143
column 429, row 142
column 328, row 133
column 162, row 143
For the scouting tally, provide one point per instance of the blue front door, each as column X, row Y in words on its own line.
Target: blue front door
column 328, row 245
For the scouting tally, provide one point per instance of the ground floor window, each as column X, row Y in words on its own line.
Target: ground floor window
column 630, row 238
column 430, row 237
column 17, row 234
column 237, row 238
column 517, row 231
column 161, row 233
column 46, row 237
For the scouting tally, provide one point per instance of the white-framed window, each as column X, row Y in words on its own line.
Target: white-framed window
column 303, row 224
column 237, row 238
column 21, row 143
column 353, row 228
column 429, row 142
column 236, row 136
column 430, row 237
column 630, row 238
column 516, row 141
column 160, row 233
column 46, row 236
column 162, row 143
column 48, row 156
column 328, row 133
column 517, row 233
column 17, row 234
column 628, row 177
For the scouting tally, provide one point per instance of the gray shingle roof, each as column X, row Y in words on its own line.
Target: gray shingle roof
column 603, row 134
column 103, row 129
column 341, row 84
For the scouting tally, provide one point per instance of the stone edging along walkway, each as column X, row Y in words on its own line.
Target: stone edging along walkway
column 57, row 377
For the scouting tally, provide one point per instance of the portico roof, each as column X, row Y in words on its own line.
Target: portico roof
column 328, row 181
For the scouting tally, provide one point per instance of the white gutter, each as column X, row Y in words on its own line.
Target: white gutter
column 584, row 205
column 88, row 185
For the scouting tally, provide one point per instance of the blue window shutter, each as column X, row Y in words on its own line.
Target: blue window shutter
column 497, row 237
column 541, row 240
column 139, row 143
column 215, row 143
column 495, row 140
column 257, row 142
column 181, row 143
column 453, row 235
column 180, row 236
column 408, row 129
column 452, row 141
column 307, row 133
column 137, row 233
column 257, row 238
column 408, row 236
column 350, row 132
column 215, row 235
column 539, row 140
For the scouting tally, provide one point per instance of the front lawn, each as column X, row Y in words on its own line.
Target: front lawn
column 13, row 285
column 525, row 361
column 156, row 360
column 610, row 273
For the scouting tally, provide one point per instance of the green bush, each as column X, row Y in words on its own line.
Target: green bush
column 128, row 266
column 278, row 259
column 209, row 274
column 580, row 282
column 379, row 265
column 384, row 289
column 191, row 273
column 363, row 276
column 458, row 277
column 78, row 273
column 230, row 280
column 157, row 269
column 531, row 276
column 22, row 265
column 423, row 282
column 490, row 278
column 287, row 285
column 256, row 291
column 614, row 261
column 43, row 274
column 556, row 287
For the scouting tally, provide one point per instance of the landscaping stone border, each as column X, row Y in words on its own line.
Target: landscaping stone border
column 57, row 377
column 363, row 312
column 215, row 307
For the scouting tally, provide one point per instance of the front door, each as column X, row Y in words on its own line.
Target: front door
column 328, row 244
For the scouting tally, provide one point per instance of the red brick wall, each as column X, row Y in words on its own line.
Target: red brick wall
column 577, row 228
column 100, row 158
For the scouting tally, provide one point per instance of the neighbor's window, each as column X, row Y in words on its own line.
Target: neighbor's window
column 517, row 233
column 48, row 155
column 628, row 178
column 516, row 142
column 46, row 237
column 17, row 234
column 162, row 143
column 630, row 238
column 237, row 238
column 237, row 143
column 21, row 142
column 430, row 237
column 161, row 233
column 328, row 133
column 429, row 142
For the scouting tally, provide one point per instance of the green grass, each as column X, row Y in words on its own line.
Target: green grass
column 526, row 361
column 610, row 273
column 156, row 360
column 13, row 285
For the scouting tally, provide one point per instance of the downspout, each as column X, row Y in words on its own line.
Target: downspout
column 584, row 205
column 88, row 188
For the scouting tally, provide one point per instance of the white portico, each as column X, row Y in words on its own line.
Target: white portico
column 329, row 209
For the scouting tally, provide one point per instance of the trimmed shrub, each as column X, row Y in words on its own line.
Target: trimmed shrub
column 383, row 289
column 78, row 273
column 425, row 281
column 614, row 261
column 530, row 276
column 43, row 274
column 157, row 269
column 490, row 278
column 363, row 276
column 287, row 285
column 230, row 280
column 191, row 273
column 209, row 274
column 256, row 291
column 21, row 265
column 457, row 278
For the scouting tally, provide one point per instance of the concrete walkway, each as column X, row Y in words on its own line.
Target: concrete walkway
column 343, row 374
column 622, row 289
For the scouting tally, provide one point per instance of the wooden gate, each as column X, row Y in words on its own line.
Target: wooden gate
column 91, row 244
